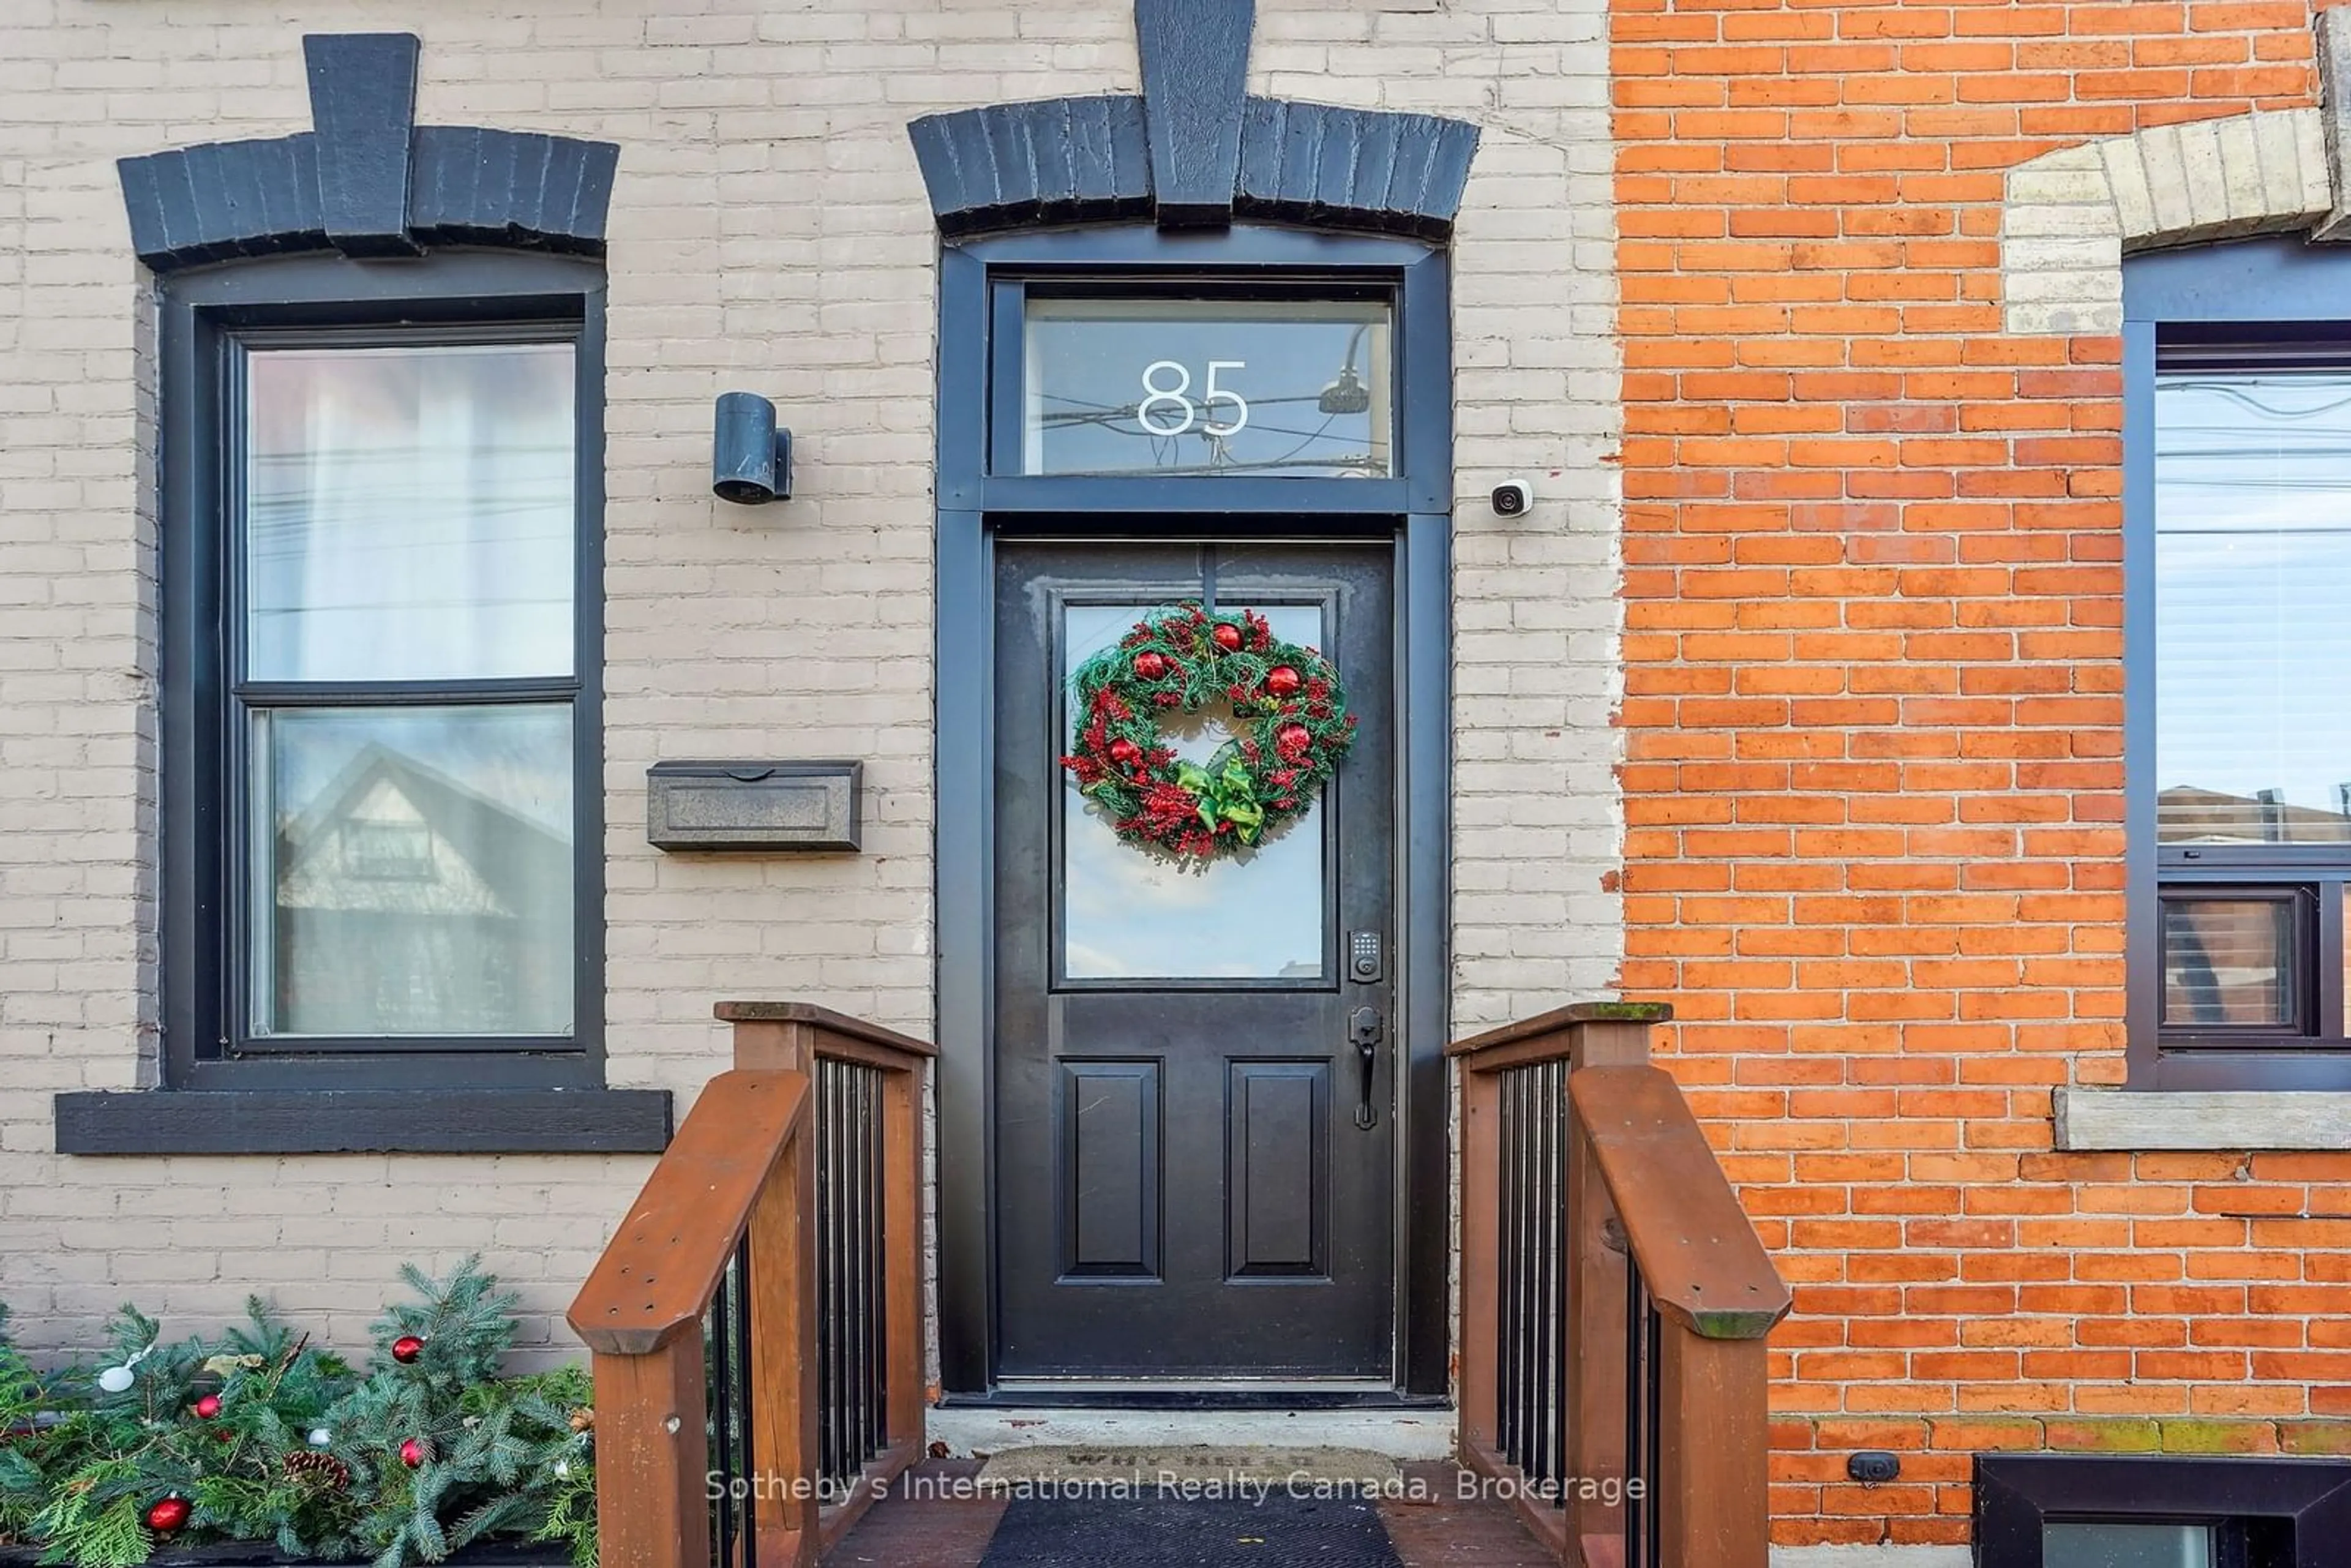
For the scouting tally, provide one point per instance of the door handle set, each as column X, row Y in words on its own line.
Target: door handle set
column 1365, row 1028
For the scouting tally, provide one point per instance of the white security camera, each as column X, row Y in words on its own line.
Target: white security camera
column 1514, row 497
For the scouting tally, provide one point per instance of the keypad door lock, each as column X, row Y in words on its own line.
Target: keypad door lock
column 1363, row 962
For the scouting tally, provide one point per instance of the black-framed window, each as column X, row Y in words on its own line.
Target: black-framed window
column 2238, row 558
column 2069, row 1511
column 381, row 574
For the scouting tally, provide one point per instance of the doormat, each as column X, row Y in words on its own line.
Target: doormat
column 1150, row 1532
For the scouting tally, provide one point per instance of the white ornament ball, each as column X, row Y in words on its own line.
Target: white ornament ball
column 115, row 1379
column 320, row 1436
column 562, row 1468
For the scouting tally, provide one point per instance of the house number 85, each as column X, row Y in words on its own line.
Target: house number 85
column 1166, row 410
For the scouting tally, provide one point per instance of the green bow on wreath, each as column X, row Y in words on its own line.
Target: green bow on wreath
column 1292, row 727
column 1228, row 795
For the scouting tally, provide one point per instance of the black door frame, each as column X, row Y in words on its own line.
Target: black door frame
column 975, row 508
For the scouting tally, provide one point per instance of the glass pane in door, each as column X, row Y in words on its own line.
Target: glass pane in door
column 1127, row 914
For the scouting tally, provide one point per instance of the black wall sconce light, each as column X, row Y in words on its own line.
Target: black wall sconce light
column 750, row 459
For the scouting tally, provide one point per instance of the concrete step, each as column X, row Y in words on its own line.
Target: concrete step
column 1083, row 1437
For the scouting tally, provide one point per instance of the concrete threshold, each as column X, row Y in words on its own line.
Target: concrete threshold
column 1090, row 1440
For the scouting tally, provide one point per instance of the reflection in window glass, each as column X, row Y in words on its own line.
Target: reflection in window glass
column 2252, row 474
column 412, row 871
column 2228, row 962
column 409, row 512
column 2126, row 1546
column 1129, row 915
column 1282, row 388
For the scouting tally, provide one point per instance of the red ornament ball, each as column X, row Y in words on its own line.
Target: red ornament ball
column 1228, row 636
column 412, row 1452
column 1124, row 750
column 1150, row 665
column 207, row 1407
column 1282, row 680
column 167, row 1514
column 406, row 1349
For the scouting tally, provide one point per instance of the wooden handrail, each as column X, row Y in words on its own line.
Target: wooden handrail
column 743, row 1165
column 744, row 1169
column 1696, row 1252
column 1611, row 1185
column 796, row 1037
column 1584, row 1034
column 1697, row 1262
column 785, row 1034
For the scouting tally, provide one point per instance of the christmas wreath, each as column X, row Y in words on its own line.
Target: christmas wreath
column 1290, row 728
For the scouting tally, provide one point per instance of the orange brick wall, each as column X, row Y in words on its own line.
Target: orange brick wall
column 1873, row 777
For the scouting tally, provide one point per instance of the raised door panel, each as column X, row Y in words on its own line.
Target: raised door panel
column 1108, row 1113
column 1277, row 1186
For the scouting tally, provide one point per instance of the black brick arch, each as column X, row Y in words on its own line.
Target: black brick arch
column 368, row 180
column 1193, row 151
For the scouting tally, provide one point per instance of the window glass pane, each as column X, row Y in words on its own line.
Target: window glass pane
column 2252, row 571
column 409, row 512
column 2229, row 963
column 1209, row 386
column 1130, row 915
column 2127, row 1545
column 412, row 871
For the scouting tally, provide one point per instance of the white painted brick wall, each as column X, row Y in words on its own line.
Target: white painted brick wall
column 769, row 233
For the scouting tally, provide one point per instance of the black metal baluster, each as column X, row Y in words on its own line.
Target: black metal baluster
column 1550, row 1464
column 824, row 1266
column 833, row 1304
column 1652, row 1462
column 877, row 1325
column 862, row 1314
column 745, row 1440
column 1644, row 1389
column 726, row 1361
column 716, row 1345
column 1511, row 1363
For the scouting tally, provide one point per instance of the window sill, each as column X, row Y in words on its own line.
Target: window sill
column 365, row 1121
column 2110, row 1119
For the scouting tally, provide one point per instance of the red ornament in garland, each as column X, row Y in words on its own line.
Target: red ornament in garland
column 207, row 1407
column 412, row 1452
column 1156, row 800
column 406, row 1349
column 167, row 1515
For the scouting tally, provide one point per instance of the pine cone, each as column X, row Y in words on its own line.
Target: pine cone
column 583, row 1419
column 319, row 1470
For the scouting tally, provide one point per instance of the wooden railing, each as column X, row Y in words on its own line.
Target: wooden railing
column 756, row 1322
column 1614, row 1298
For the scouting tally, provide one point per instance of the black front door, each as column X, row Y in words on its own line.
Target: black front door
column 1195, row 1153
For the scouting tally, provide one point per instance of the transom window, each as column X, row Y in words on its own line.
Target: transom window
column 1222, row 387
